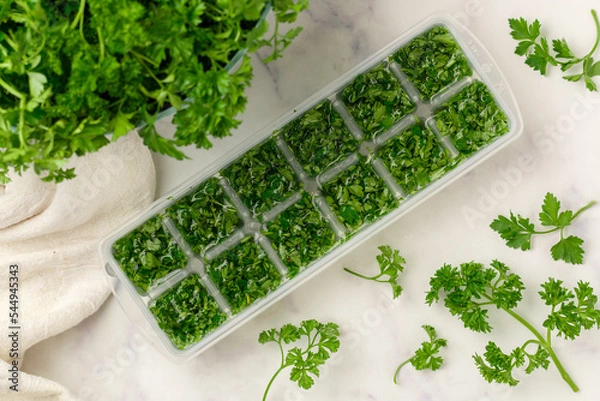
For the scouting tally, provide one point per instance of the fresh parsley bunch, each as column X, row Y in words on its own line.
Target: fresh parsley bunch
column 471, row 290
column 72, row 71
column 322, row 340
column 517, row 230
column 537, row 50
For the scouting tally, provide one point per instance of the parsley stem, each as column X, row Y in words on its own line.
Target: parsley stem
column 272, row 380
column 592, row 203
column 597, row 22
column 79, row 17
column 365, row 277
column 10, row 89
column 548, row 348
column 547, row 231
column 400, row 367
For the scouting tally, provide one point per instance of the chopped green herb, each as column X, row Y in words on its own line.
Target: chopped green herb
column 322, row 340
column 376, row 100
column 426, row 356
column 186, row 312
column 300, row 235
column 391, row 263
column 415, row 158
column 517, row 230
column 359, row 196
column 433, row 61
column 471, row 291
column 244, row 274
column 262, row 177
column 538, row 54
column 148, row 253
column 205, row 217
column 472, row 119
column 319, row 138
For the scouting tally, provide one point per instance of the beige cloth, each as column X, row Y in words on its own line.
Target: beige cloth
column 52, row 232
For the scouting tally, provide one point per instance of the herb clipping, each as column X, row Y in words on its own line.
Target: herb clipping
column 471, row 290
column 71, row 71
column 426, row 357
column 517, row 230
column 322, row 340
column 538, row 55
column 391, row 263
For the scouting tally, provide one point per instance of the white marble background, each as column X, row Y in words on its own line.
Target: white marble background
column 106, row 358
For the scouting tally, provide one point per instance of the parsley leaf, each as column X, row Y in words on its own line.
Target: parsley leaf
column 322, row 340
column 391, row 263
column 470, row 290
column 528, row 36
column 517, row 230
column 426, row 356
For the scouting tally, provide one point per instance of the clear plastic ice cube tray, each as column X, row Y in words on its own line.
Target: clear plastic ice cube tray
column 256, row 215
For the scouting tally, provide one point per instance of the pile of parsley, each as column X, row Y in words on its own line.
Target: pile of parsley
column 72, row 71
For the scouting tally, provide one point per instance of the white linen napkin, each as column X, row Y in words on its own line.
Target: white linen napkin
column 52, row 231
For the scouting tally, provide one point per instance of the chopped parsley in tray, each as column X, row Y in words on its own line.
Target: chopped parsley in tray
column 319, row 138
column 415, row 158
column 433, row 61
column 262, row 177
column 358, row 196
column 300, row 235
column 187, row 312
column 205, row 217
column 148, row 253
column 472, row 119
column 376, row 100
column 244, row 274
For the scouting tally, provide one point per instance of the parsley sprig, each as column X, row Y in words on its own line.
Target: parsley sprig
column 322, row 340
column 391, row 263
column 471, row 290
column 517, row 230
column 537, row 50
column 426, row 357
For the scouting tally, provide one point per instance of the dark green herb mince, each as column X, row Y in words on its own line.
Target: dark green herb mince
column 376, row 100
column 244, row 274
column 148, row 253
column 300, row 235
column 319, row 138
column 415, row 158
column 186, row 313
column 433, row 61
column 262, row 178
column 359, row 196
column 472, row 119
column 205, row 217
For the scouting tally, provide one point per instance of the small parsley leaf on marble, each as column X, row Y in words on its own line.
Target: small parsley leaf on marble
column 391, row 264
column 322, row 340
column 426, row 357
column 517, row 230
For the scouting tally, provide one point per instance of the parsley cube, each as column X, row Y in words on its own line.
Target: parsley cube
column 148, row 253
column 300, row 235
column 376, row 100
column 415, row 158
column 433, row 61
column 205, row 217
column 244, row 274
column 358, row 196
column 187, row 312
column 319, row 138
column 472, row 119
column 262, row 178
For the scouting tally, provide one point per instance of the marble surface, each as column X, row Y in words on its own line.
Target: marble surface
column 106, row 358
